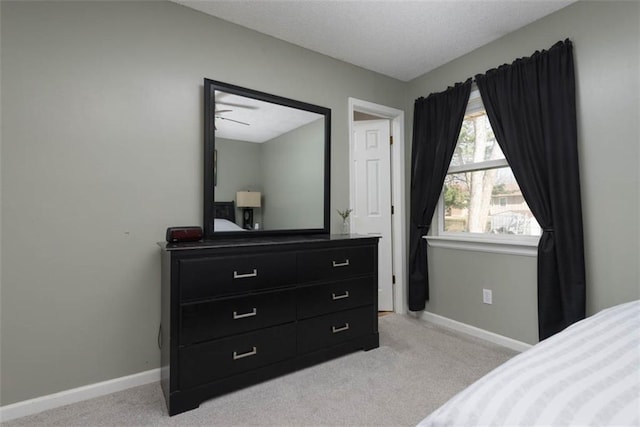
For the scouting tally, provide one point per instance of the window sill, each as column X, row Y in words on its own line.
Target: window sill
column 479, row 244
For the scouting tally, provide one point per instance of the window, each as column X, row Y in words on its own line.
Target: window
column 481, row 199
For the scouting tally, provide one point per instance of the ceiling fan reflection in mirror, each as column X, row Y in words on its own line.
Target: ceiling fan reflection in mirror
column 218, row 115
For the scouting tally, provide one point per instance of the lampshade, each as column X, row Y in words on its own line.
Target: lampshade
column 248, row 199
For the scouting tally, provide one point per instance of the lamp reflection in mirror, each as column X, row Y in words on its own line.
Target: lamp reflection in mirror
column 248, row 200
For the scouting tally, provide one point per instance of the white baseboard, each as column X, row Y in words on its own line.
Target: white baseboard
column 55, row 400
column 476, row 332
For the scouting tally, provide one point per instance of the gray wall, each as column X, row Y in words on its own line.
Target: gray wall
column 606, row 37
column 102, row 150
column 239, row 169
column 293, row 184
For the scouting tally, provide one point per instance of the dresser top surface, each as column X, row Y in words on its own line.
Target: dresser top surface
column 262, row 241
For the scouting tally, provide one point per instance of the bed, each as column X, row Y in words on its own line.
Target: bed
column 224, row 214
column 588, row 374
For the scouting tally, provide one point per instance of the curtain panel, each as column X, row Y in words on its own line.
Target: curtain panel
column 531, row 107
column 436, row 124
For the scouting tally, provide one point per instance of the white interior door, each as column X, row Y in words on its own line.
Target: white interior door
column 371, row 196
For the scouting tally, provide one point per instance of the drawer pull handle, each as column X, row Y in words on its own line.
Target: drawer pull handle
column 252, row 352
column 336, row 297
column 341, row 264
column 245, row 276
column 243, row 315
column 340, row 329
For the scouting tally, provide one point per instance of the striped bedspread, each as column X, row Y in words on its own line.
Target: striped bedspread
column 586, row 375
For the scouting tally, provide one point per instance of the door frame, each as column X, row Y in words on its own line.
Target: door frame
column 398, row 223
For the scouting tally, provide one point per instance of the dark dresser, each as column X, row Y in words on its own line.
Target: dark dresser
column 239, row 311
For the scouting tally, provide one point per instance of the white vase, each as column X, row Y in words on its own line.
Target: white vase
column 344, row 227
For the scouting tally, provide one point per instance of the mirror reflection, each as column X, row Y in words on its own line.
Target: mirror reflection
column 269, row 165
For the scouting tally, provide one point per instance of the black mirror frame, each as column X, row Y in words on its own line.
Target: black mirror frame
column 210, row 86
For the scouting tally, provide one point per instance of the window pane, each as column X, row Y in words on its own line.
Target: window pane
column 487, row 201
column 476, row 142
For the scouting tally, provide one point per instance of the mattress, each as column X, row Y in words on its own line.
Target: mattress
column 225, row 225
column 587, row 375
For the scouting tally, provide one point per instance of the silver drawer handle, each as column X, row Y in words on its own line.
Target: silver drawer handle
column 340, row 329
column 335, row 297
column 341, row 264
column 243, row 315
column 237, row 356
column 244, row 276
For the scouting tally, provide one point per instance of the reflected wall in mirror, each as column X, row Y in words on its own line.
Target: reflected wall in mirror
column 268, row 144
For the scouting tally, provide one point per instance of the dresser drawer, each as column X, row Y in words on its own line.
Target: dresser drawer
column 209, row 277
column 206, row 362
column 331, row 329
column 201, row 321
column 335, row 296
column 336, row 263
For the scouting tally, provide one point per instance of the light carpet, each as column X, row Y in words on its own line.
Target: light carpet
column 417, row 367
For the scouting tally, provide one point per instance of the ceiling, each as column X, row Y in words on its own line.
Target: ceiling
column 402, row 39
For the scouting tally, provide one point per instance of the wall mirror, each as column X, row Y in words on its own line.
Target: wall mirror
column 267, row 164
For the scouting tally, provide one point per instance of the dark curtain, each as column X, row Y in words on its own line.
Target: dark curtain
column 436, row 124
column 531, row 108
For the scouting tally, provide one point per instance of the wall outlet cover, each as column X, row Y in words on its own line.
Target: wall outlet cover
column 487, row 296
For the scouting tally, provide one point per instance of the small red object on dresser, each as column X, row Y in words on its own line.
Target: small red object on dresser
column 184, row 234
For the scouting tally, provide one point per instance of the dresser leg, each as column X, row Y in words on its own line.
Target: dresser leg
column 373, row 342
column 178, row 406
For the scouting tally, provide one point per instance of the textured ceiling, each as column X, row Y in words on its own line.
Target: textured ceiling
column 399, row 38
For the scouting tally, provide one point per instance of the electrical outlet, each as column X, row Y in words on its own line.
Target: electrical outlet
column 487, row 296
